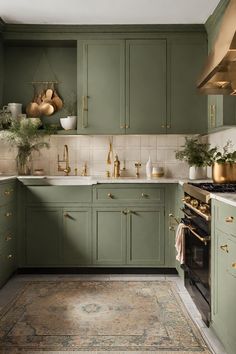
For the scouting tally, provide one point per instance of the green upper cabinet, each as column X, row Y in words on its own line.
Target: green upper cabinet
column 221, row 111
column 101, row 96
column 187, row 109
column 145, row 86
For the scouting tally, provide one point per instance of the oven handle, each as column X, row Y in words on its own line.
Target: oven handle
column 202, row 239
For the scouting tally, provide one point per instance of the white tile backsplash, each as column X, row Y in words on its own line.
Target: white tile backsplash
column 94, row 150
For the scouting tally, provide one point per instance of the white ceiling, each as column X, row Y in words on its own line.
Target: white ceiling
column 106, row 11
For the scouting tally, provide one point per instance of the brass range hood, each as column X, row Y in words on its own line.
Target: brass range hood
column 219, row 74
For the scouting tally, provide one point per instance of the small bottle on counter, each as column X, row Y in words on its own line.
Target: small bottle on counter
column 116, row 167
column 149, row 168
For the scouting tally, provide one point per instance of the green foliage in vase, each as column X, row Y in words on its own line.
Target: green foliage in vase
column 194, row 152
column 227, row 155
column 25, row 136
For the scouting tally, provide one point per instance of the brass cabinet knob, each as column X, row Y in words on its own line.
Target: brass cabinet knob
column 224, row 248
column 8, row 192
column 10, row 256
column 110, row 195
column 8, row 214
column 144, row 195
column 229, row 219
column 8, row 237
column 171, row 228
column 163, row 126
column 124, row 212
column 127, row 126
column 171, row 215
column 168, row 126
column 234, row 265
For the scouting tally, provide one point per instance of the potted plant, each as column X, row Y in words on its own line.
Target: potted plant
column 26, row 137
column 223, row 163
column 196, row 154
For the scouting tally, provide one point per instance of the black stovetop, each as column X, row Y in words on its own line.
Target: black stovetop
column 216, row 187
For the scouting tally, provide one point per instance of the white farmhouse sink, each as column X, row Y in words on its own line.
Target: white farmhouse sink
column 57, row 180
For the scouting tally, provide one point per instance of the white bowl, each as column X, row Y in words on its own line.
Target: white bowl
column 68, row 123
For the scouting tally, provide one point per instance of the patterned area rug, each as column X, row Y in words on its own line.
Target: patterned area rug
column 99, row 316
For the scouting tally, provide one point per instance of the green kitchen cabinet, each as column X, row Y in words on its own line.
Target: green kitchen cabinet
column 101, row 96
column 146, row 86
column 221, row 112
column 187, row 109
column 8, row 254
column 145, row 236
column 43, row 236
column 223, row 266
column 1, row 68
column 109, row 236
column 76, row 241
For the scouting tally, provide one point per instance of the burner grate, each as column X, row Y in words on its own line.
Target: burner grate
column 216, row 187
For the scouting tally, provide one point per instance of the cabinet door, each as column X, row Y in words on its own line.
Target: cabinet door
column 146, row 86
column 109, row 241
column 221, row 111
column 146, row 236
column 76, row 245
column 43, row 236
column 187, row 108
column 101, row 87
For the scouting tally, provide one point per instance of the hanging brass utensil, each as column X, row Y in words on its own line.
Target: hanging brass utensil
column 57, row 101
column 32, row 109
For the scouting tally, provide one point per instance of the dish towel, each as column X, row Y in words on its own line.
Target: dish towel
column 179, row 243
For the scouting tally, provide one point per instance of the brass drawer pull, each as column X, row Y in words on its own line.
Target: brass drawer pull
column 110, row 195
column 234, row 265
column 8, row 192
column 144, row 195
column 8, row 238
column 229, row 219
column 8, row 214
column 224, row 248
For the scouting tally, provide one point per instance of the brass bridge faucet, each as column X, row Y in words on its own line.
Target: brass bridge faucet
column 65, row 160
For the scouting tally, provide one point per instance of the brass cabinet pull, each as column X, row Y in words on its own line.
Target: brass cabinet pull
column 124, row 212
column 224, row 248
column 110, row 195
column 127, row 126
column 234, row 265
column 66, row 215
column 122, row 126
column 8, row 237
column 212, row 109
column 84, row 109
column 163, row 126
column 168, row 126
column 229, row 219
column 8, row 214
column 10, row 256
column 8, row 192
column 143, row 195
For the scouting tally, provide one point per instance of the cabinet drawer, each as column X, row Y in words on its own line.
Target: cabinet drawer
column 120, row 194
column 226, row 218
column 7, row 193
column 7, row 263
column 59, row 194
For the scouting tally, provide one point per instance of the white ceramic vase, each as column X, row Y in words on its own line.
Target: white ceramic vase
column 196, row 172
column 149, row 168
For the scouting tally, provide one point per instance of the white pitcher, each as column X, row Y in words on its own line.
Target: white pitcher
column 14, row 108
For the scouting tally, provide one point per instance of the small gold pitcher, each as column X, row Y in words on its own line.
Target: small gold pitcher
column 224, row 172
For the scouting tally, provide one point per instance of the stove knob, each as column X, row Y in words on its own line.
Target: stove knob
column 186, row 199
column 203, row 208
column 194, row 203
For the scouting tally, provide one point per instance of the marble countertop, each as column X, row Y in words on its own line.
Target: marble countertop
column 229, row 198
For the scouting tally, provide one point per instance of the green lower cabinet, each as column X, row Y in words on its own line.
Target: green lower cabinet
column 145, row 236
column 76, row 242
column 109, row 236
column 43, row 236
column 224, row 290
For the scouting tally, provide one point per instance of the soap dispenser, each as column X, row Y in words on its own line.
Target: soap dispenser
column 149, row 168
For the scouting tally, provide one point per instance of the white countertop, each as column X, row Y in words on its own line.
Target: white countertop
column 229, row 198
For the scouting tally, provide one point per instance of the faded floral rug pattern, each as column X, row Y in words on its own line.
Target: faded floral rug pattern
column 99, row 316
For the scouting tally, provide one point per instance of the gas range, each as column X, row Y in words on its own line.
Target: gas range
column 216, row 187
